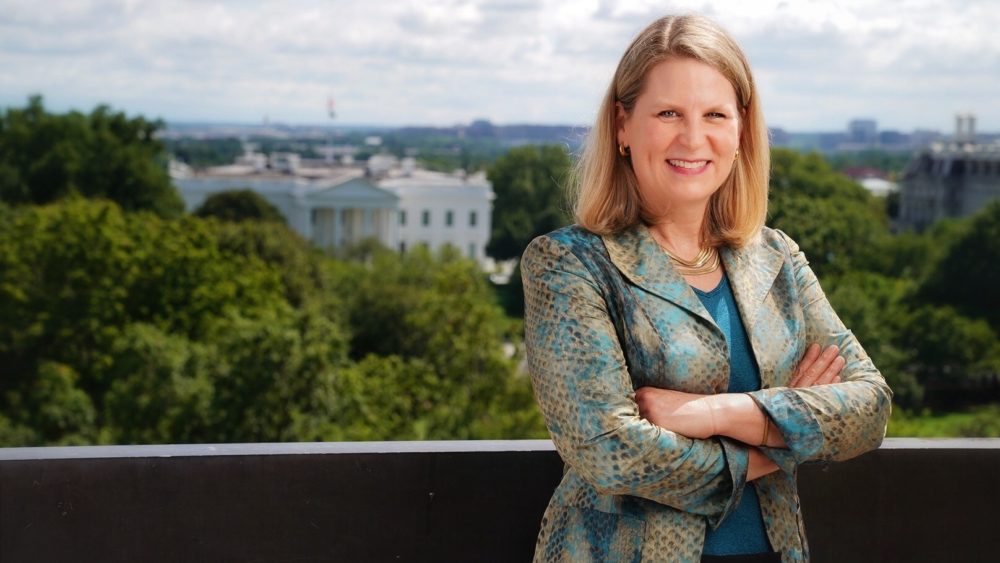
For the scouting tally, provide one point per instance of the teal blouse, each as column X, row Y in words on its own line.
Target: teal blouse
column 742, row 531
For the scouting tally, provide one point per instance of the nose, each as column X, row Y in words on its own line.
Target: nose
column 693, row 133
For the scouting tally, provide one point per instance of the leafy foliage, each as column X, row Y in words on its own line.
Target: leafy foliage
column 914, row 300
column 434, row 321
column 979, row 422
column 128, row 328
column 891, row 163
column 239, row 205
column 968, row 275
column 529, row 185
column 844, row 221
column 201, row 153
column 44, row 157
column 169, row 330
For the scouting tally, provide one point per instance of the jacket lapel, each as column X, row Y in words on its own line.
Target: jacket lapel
column 752, row 271
column 640, row 259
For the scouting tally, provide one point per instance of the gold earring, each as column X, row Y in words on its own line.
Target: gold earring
column 623, row 150
column 737, row 155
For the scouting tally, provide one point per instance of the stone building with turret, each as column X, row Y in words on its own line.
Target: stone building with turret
column 953, row 179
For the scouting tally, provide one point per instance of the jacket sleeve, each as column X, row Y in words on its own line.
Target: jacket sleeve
column 583, row 387
column 827, row 422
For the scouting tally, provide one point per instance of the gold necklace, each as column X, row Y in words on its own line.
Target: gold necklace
column 706, row 262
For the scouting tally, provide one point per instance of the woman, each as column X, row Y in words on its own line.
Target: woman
column 683, row 355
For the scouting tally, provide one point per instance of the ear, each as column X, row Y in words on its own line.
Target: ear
column 620, row 118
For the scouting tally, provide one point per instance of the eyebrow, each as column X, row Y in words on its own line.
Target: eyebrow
column 726, row 108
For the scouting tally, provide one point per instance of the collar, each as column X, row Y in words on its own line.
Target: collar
column 752, row 270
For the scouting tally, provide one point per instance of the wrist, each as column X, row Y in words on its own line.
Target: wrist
column 710, row 403
column 759, row 465
column 735, row 414
column 722, row 407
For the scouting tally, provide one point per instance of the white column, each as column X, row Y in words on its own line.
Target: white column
column 336, row 227
column 318, row 227
column 366, row 223
column 378, row 221
column 383, row 235
column 357, row 224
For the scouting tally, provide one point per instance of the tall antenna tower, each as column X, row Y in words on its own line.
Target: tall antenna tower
column 331, row 111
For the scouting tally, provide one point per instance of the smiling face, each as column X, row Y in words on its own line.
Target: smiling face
column 683, row 133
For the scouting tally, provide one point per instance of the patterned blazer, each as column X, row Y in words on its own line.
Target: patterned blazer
column 607, row 315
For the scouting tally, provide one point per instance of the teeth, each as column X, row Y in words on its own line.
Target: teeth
column 686, row 164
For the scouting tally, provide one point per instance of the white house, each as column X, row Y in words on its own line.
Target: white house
column 438, row 209
column 336, row 206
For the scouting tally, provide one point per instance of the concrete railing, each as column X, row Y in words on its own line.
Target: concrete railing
column 912, row 500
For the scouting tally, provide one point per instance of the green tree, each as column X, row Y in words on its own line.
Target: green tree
column 529, row 183
column 430, row 338
column 891, row 163
column 968, row 276
column 128, row 328
column 201, row 153
column 44, row 157
column 948, row 347
column 52, row 409
column 239, row 205
column 835, row 221
column 875, row 308
column 169, row 328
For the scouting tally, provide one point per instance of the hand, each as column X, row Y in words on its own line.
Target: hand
column 818, row 368
column 688, row 414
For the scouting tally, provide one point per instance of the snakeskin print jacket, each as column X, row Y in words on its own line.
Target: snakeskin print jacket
column 607, row 315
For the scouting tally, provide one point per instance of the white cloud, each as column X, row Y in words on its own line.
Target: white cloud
column 910, row 63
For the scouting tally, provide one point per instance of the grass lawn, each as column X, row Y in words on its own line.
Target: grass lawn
column 976, row 422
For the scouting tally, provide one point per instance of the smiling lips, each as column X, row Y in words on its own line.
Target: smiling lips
column 688, row 166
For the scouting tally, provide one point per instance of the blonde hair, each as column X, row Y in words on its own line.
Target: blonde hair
column 606, row 189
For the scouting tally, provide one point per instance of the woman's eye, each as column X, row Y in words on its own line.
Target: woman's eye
column 668, row 113
column 717, row 115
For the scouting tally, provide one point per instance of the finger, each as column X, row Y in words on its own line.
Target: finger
column 807, row 360
column 819, row 366
column 834, row 369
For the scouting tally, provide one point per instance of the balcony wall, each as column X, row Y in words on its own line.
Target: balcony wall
column 912, row 500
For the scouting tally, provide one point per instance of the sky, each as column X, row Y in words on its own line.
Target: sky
column 818, row 64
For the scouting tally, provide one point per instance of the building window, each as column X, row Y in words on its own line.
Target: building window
column 449, row 218
column 402, row 246
column 425, row 218
column 472, row 250
column 472, row 218
column 402, row 217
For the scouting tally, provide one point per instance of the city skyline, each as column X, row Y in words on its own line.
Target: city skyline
column 908, row 65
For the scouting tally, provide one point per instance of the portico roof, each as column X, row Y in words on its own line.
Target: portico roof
column 356, row 193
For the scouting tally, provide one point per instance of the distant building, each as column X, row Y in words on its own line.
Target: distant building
column 872, row 179
column 437, row 209
column 953, row 179
column 922, row 137
column 893, row 139
column 863, row 132
column 336, row 206
column 879, row 187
